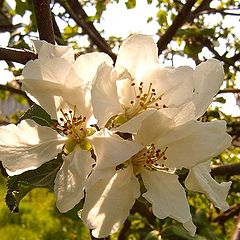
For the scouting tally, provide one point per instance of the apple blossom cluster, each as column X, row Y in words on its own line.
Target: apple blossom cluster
column 116, row 124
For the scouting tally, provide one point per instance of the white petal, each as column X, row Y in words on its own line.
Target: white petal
column 200, row 180
column 137, row 54
column 109, row 201
column 85, row 68
column 71, row 178
column 28, row 145
column 111, row 150
column 208, row 77
column 104, row 96
column 134, row 124
column 204, row 141
column 45, row 49
column 166, row 125
column 167, row 197
column 174, row 85
column 48, row 69
column 47, row 95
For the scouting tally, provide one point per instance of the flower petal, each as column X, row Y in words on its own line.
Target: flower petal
column 111, row 150
column 85, row 68
column 134, row 124
column 200, row 180
column 47, row 69
column 28, row 145
column 167, row 197
column 204, row 141
column 104, row 96
column 108, row 202
column 137, row 54
column 45, row 49
column 71, row 178
column 174, row 85
column 208, row 77
column 166, row 125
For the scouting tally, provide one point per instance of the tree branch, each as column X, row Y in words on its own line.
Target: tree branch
column 232, row 211
column 180, row 19
column 236, row 233
column 44, row 20
column 229, row 90
column 76, row 12
column 16, row 91
column 16, row 55
column 226, row 170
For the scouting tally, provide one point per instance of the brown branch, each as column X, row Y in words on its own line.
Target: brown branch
column 16, row 91
column 231, row 212
column 229, row 90
column 75, row 10
column 180, row 19
column 16, row 55
column 44, row 20
column 57, row 32
column 236, row 233
column 226, row 170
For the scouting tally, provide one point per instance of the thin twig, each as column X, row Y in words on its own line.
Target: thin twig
column 16, row 55
column 44, row 20
column 231, row 212
column 16, row 91
column 236, row 233
column 226, row 170
column 180, row 19
column 230, row 90
column 75, row 10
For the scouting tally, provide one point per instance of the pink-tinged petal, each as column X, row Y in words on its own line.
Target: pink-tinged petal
column 208, row 77
column 204, row 141
column 200, row 180
column 111, row 150
column 71, row 179
column 167, row 197
column 104, row 96
column 137, row 54
column 28, row 145
column 108, row 202
column 48, row 50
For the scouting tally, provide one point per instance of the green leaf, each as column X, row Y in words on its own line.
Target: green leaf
column 70, row 31
column 220, row 100
column 162, row 17
column 19, row 185
column 130, row 4
column 39, row 115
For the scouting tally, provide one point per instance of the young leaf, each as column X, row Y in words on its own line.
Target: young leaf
column 19, row 185
column 39, row 115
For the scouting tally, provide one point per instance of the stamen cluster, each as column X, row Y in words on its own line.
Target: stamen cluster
column 143, row 100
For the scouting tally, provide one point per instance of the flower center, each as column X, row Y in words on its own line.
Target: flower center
column 143, row 100
column 76, row 131
column 150, row 158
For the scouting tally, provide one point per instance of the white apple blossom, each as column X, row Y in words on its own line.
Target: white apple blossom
column 62, row 87
column 138, row 84
column 171, row 139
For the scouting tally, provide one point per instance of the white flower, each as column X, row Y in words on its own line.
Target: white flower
column 62, row 87
column 168, row 139
column 138, row 84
